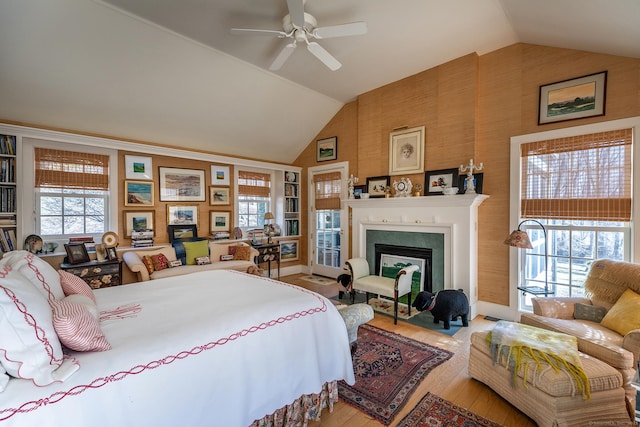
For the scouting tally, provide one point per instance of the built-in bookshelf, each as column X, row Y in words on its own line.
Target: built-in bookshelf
column 291, row 203
column 8, row 193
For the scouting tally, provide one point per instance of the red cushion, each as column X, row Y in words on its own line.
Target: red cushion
column 160, row 262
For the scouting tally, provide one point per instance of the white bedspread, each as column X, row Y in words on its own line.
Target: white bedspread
column 217, row 348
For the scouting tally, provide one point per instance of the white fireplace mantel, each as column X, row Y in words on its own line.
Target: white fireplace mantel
column 456, row 217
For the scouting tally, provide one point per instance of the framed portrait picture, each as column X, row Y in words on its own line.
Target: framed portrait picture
column 477, row 181
column 219, row 221
column 138, row 167
column 406, row 151
column 218, row 195
column 220, row 175
column 138, row 221
column 435, row 181
column 76, row 253
column 181, row 185
column 180, row 215
column 573, row 99
column 377, row 185
column 327, row 149
column 138, row 193
column 288, row 250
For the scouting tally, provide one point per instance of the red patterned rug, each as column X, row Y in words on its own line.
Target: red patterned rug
column 436, row 411
column 388, row 368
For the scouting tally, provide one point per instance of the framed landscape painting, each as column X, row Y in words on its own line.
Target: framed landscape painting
column 138, row 193
column 138, row 221
column 327, row 149
column 179, row 215
column 181, row 185
column 573, row 99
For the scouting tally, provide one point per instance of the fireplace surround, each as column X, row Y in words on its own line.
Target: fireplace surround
column 453, row 218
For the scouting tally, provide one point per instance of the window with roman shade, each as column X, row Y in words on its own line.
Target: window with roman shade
column 254, row 197
column 328, row 188
column 68, row 169
column 256, row 184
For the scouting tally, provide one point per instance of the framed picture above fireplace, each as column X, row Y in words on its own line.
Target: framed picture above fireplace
column 377, row 185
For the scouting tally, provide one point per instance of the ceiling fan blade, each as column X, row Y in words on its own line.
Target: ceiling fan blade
column 282, row 57
column 296, row 12
column 327, row 59
column 351, row 29
column 250, row 31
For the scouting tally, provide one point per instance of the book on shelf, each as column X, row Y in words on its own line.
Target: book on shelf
column 4, row 243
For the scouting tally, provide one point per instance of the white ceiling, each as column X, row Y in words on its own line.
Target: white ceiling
column 168, row 71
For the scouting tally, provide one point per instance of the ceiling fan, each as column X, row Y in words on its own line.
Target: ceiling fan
column 300, row 26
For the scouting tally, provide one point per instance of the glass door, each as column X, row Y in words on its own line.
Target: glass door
column 328, row 241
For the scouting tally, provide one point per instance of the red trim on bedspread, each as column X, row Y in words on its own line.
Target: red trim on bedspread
column 167, row 360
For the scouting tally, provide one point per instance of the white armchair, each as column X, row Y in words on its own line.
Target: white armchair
column 362, row 280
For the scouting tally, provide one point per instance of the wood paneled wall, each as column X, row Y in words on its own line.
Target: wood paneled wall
column 471, row 107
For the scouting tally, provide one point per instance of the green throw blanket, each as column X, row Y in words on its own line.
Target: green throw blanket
column 520, row 345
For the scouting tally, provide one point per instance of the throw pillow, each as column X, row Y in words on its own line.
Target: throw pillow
column 148, row 262
column 195, row 250
column 39, row 272
column 589, row 312
column 30, row 346
column 624, row 316
column 160, row 262
column 76, row 321
column 241, row 252
column 72, row 284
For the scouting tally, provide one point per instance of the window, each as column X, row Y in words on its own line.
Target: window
column 72, row 192
column 254, row 198
column 579, row 188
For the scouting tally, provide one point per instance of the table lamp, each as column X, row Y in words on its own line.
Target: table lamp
column 268, row 217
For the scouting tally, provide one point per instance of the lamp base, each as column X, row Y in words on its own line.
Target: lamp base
column 535, row 290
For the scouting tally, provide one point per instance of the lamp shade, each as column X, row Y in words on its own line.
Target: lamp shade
column 268, row 215
column 519, row 239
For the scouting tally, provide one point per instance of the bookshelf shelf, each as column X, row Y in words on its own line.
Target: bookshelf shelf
column 291, row 203
column 8, row 193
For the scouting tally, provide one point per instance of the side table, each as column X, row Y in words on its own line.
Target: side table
column 97, row 274
column 267, row 253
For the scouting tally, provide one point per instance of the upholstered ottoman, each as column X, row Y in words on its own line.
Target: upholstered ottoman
column 355, row 315
column 550, row 398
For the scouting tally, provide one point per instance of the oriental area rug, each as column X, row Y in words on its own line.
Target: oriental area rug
column 436, row 411
column 388, row 367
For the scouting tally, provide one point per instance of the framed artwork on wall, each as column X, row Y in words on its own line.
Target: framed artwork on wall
column 435, row 181
column 138, row 221
column 138, row 193
column 179, row 233
column 220, row 175
column 219, row 221
column 218, row 195
column 180, row 215
column 573, row 99
column 327, row 149
column 181, row 185
column 406, row 151
column 377, row 185
column 288, row 250
column 138, row 167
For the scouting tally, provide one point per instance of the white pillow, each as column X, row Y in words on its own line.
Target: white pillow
column 76, row 322
column 72, row 284
column 30, row 346
column 39, row 272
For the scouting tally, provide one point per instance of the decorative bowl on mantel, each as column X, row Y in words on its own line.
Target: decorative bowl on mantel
column 450, row 191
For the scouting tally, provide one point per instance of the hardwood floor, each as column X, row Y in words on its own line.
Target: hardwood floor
column 449, row 380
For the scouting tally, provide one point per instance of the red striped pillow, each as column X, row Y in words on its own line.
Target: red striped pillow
column 75, row 319
column 72, row 284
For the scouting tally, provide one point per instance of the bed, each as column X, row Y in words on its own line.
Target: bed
column 214, row 348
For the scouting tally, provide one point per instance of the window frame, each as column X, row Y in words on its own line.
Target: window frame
column 29, row 199
column 270, row 203
column 517, row 256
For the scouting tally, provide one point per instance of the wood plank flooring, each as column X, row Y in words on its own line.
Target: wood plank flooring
column 449, row 380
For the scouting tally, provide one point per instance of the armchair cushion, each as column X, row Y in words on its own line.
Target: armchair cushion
column 590, row 312
column 624, row 316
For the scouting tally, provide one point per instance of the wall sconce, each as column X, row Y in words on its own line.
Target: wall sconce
column 520, row 239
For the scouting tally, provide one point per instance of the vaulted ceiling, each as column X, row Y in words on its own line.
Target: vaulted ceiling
column 170, row 72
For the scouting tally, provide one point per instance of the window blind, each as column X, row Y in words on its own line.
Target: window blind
column 256, row 184
column 584, row 177
column 70, row 169
column 328, row 188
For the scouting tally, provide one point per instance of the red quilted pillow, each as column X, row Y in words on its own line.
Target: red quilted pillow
column 160, row 262
column 148, row 263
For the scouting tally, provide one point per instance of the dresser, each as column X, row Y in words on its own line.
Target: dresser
column 97, row 274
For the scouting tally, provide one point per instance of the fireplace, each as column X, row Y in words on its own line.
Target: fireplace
column 445, row 224
column 408, row 253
